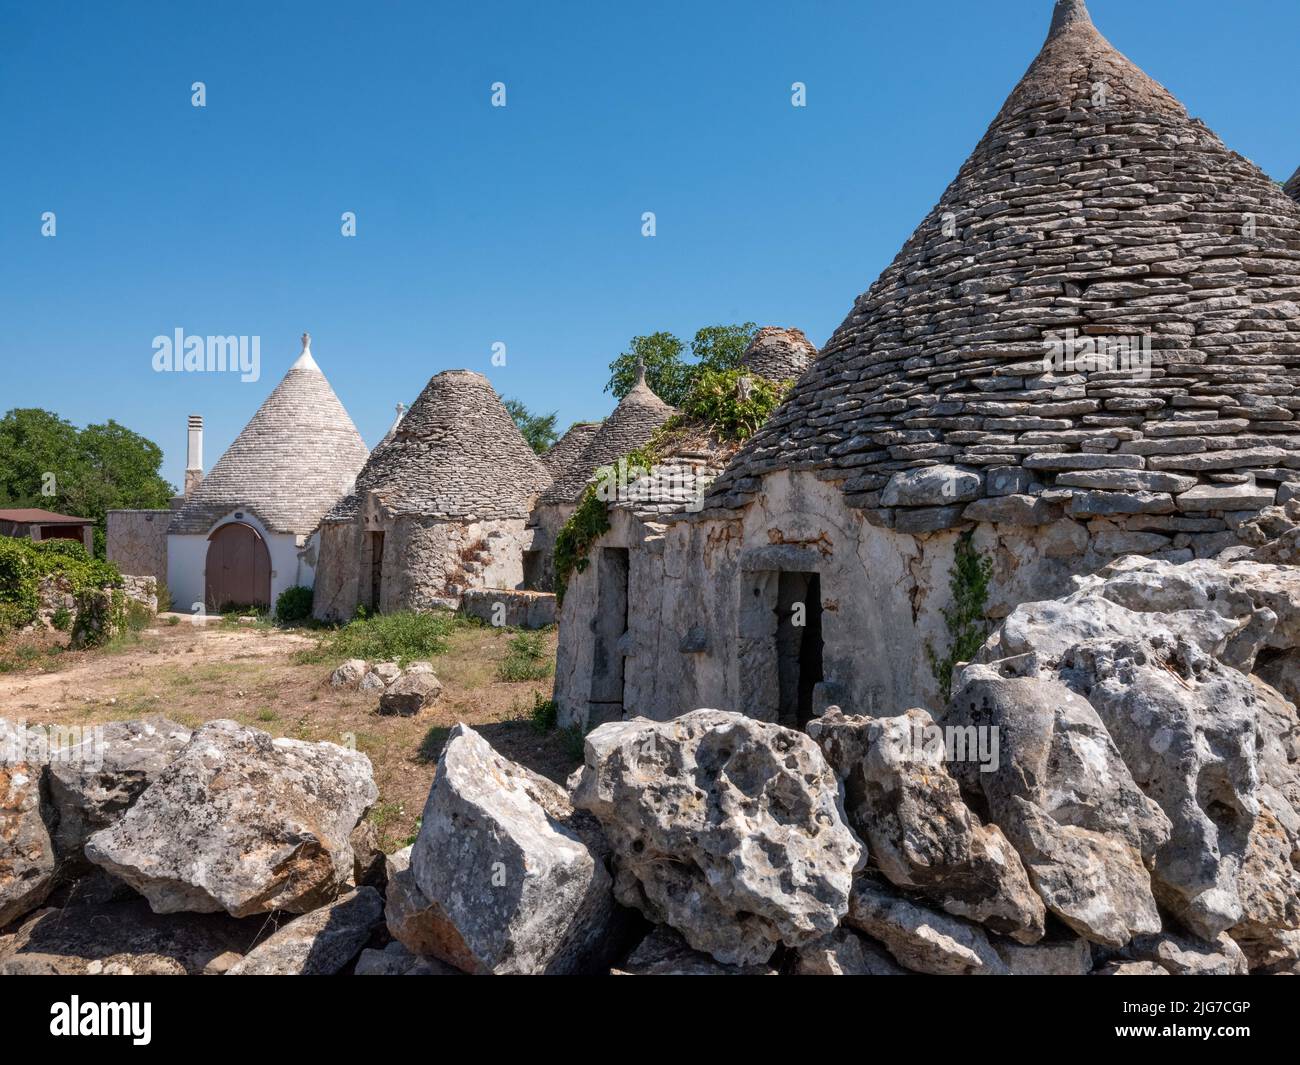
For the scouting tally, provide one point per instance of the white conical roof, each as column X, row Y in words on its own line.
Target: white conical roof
column 289, row 465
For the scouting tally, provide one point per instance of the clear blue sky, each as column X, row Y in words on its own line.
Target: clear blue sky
column 519, row 225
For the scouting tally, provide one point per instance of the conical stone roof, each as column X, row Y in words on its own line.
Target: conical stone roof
column 456, row 454
column 1293, row 186
column 779, row 354
column 289, row 465
column 569, row 448
column 1093, row 204
column 630, row 426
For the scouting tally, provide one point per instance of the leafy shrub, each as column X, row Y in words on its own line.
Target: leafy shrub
column 545, row 714
column 587, row 524
column 733, row 411
column 526, row 658
column 61, row 619
column 403, row 637
column 138, row 616
column 965, row 621
column 25, row 563
column 293, row 605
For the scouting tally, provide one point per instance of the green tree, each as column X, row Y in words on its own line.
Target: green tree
column 719, row 347
column 38, row 450
column 537, row 429
column 665, row 372
column 715, row 347
column 93, row 470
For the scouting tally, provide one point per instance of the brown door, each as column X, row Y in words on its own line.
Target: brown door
column 238, row 569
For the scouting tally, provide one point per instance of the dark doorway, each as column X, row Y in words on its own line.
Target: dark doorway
column 798, row 645
column 376, row 570
column 535, row 572
column 610, row 626
column 238, row 570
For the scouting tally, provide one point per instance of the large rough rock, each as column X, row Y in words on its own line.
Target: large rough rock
column 1160, row 652
column 319, row 943
column 1057, row 957
column 845, row 953
column 1066, row 801
column 396, row 960
column 665, row 953
column 505, row 876
column 901, row 799
column 123, row 937
column 1181, row 956
column 919, row 938
column 242, row 823
column 728, row 829
column 350, row 674
column 95, row 782
column 26, row 852
column 410, row 693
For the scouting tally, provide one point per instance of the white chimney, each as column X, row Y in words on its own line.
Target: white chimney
column 194, row 455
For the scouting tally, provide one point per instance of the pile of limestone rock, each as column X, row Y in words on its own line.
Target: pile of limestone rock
column 1114, row 788
column 1132, row 805
column 403, row 691
column 143, row 847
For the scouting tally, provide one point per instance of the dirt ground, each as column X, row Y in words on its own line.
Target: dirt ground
column 194, row 674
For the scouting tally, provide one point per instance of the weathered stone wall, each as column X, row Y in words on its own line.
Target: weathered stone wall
column 338, row 568
column 547, row 520
column 427, row 562
column 137, row 542
column 514, row 608
column 694, row 639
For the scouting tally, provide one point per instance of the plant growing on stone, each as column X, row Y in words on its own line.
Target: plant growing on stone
column 526, row 658
column 967, row 627
column 733, row 402
column 587, row 524
column 24, row 564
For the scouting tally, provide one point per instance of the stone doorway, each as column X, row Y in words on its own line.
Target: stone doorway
column 798, row 645
column 376, row 570
column 535, row 575
column 780, row 645
column 238, row 568
column 607, row 678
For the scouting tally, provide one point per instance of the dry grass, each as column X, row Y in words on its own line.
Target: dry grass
column 254, row 676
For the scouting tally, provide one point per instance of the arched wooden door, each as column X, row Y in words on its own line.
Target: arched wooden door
column 238, row 571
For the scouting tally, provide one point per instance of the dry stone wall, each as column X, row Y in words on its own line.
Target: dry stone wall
column 137, row 542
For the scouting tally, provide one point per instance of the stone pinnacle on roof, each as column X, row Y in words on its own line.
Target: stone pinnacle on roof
column 288, row 465
column 630, row 426
column 1093, row 213
column 305, row 360
column 456, row 454
column 778, row 354
column 1067, row 13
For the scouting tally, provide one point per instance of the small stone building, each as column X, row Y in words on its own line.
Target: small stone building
column 603, row 604
column 778, row 353
column 440, row 507
column 569, row 448
column 242, row 536
column 1083, row 351
column 630, row 426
